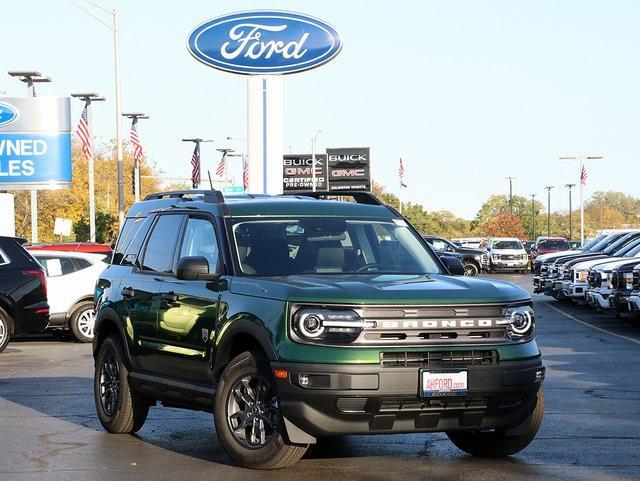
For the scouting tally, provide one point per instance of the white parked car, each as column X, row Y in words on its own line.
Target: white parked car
column 71, row 280
column 507, row 254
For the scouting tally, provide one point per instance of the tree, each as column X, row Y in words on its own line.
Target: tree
column 522, row 208
column 106, row 228
column 503, row 224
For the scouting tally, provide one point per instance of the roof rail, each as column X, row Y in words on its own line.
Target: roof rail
column 210, row 196
column 359, row 197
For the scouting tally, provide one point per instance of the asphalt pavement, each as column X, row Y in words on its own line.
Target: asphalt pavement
column 591, row 430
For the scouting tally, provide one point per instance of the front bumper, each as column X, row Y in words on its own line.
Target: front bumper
column 599, row 299
column 574, row 290
column 634, row 302
column 543, row 285
column 370, row 399
column 509, row 265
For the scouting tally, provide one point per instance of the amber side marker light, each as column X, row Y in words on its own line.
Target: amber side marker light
column 281, row 373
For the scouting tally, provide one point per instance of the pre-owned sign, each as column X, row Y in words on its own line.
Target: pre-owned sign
column 349, row 169
column 298, row 176
column 35, row 143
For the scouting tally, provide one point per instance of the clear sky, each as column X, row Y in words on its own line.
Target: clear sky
column 466, row 92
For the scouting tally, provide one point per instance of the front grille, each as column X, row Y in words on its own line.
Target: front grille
column 636, row 280
column 439, row 359
column 451, row 403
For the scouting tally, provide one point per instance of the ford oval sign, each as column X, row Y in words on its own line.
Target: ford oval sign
column 8, row 114
column 264, row 42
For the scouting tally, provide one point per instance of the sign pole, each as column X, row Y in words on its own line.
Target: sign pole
column 34, row 192
column 116, row 51
column 92, row 195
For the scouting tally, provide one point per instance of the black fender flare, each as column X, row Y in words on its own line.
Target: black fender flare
column 106, row 318
column 235, row 328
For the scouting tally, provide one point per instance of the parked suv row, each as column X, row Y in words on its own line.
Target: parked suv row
column 294, row 318
column 602, row 274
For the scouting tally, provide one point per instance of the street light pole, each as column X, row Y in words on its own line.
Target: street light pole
column 533, row 215
column 581, row 159
column 549, row 187
column 314, row 141
column 115, row 28
column 510, row 179
column 31, row 77
column 570, row 186
column 88, row 98
column 136, row 163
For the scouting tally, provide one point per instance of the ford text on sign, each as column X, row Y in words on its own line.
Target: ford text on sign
column 264, row 42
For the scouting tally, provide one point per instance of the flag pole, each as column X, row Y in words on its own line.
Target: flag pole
column 581, row 203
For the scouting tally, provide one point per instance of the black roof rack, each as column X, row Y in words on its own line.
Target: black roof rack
column 358, row 196
column 210, row 196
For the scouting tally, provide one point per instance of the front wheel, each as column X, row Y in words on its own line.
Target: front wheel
column 248, row 419
column 121, row 410
column 497, row 443
column 82, row 321
column 470, row 269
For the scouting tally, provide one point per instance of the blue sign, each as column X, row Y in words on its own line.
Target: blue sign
column 264, row 42
column 8, row 114
column 34, row 158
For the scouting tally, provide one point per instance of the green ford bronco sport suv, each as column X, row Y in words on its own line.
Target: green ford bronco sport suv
column 296, row 317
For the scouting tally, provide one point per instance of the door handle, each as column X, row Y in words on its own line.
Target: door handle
column 128, row 292
column 169, row 297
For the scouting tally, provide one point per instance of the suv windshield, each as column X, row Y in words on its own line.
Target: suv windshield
column 507, row 244
column 329, row 246
column 554, row 244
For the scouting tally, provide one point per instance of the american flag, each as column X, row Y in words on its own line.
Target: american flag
column 82, row 131
column 583, row 176
column 245, row 174
column 135, row 141
column 401, row 174
column 195, row 166
column 222, row 165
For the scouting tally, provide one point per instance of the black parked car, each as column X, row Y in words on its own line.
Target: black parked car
column 23, row 292
column 474, row 260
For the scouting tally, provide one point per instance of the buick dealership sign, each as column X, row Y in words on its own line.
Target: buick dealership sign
column 264, row 42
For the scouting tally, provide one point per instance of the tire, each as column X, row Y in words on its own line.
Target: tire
column 235, row 392
column 124, row 411
column 6, row 329
column 82, row 321
column 497, row 443
column 470, row 269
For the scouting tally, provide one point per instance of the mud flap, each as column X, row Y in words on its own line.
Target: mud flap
column 297, row 435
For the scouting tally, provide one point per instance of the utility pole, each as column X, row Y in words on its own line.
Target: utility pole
column 314, row 141
column 570, row 186
column 88, row 98
column 31, row 78
column 136, row 161
column 549, row 187
column 583, row 181
column 533, row 215
column 510, row 179
column 197, row 141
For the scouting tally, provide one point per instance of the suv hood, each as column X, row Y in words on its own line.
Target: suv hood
column 588, row 263
column 553, row 255
column 468, row 250
column 509, row 252
column 614, row 263
column 380, row 289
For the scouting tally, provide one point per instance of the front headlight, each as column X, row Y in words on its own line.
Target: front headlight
column 521, row 322
column 327, row 326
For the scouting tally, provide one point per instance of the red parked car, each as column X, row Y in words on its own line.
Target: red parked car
column 91, row 247
column 545, row 245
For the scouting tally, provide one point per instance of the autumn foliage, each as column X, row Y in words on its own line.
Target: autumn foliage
column 503, row 224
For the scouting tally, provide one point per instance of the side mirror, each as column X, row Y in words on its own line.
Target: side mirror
column 453, row 265
column 194, row 269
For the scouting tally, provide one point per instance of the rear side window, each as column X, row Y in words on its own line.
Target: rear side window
column 57, row 266
column 81, row 263
column 159, row 251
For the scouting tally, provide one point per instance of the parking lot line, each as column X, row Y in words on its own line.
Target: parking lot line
column 573, row 318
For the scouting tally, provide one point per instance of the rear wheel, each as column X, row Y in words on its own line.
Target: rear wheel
column 5, row 329
column 121, row 410
column 470, row 269
column 82, row 321
column 248, row 419
column 497, row 443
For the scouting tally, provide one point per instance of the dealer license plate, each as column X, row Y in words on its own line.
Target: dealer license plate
column 451, row 383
